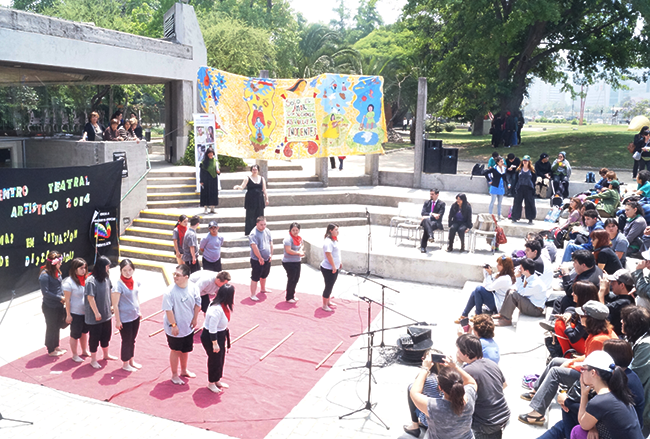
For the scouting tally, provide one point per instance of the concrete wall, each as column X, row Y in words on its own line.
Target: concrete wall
column 53, row 153
column 15, row 146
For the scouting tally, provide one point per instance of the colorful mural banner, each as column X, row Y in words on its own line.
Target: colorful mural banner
column 281, row 119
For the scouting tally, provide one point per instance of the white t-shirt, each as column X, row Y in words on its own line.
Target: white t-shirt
column 498, row 286
column 181, row 301
column 204, row 281
column 215, row 319
column 330, row 246
column 77, row 297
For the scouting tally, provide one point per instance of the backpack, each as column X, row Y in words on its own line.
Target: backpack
column 557, row 200
column 478, row 169
column 590, row 178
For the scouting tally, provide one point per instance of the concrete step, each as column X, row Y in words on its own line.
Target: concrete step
column 170, row 180
column 294, row 184
column 231, row 240
column 284, row 166
column 166, row 188
column 168, row 257
column 241, row 250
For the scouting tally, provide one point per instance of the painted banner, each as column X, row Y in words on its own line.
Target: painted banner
column 281, row 119
column 71, row 210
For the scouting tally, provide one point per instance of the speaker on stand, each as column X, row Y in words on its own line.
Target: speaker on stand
column 432, row 156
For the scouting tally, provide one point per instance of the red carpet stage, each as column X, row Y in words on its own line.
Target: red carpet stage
column 261, row 393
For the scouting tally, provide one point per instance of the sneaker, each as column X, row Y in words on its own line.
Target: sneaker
column 547, row 326
column 255, row 298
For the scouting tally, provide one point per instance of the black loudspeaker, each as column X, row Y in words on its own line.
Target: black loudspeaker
column 414, row 349
column 419, row 334
column 432, row 156
column 449, row 161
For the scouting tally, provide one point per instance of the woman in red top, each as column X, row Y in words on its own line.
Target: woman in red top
column 570, row 332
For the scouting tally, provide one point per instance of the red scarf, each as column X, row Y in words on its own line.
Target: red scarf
column 226, row 310
column 334, row 238
column 128, row 282
column 297, row 240
column 82, row 280
column 181, row 234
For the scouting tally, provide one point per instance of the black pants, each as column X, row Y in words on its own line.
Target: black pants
column 524, row 194
column 511, row 180
column 205, row 302
column 330, row 280
column 414, row 415
column 212, row 266
column 193, row 267
column 640, row 165
column 215, row 360
column 129, row 332
column 99, row 333
column 53, row 319
column 293, row 275
column 429, row 225
column 561, row 185
column 459, row 228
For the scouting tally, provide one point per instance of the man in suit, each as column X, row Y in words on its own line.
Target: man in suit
column 432, row 213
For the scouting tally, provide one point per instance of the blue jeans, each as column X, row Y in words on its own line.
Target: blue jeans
column 479, row 297
column 500, row 199
column 568, row 251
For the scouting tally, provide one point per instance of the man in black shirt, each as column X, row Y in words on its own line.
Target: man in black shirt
column 622, row 284
column 585, row 269
column 533, row 251
column 544, row 175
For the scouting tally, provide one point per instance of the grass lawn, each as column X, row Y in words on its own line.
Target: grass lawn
column 588, row 145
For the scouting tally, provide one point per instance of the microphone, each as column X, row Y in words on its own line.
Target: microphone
column 348, row 273
column 425, row 324
column 360, row 297
column 367, row 213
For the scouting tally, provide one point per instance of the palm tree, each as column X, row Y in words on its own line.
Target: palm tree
column 321, row 51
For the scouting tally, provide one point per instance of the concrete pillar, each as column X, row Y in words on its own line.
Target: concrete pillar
column 179, row 104
column 420, row 115
column 264, row 164
column 322, row 169
column 372, row 168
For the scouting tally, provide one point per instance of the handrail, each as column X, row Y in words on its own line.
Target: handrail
column 141, row 177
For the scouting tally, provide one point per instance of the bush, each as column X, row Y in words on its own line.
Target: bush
column 188, row 157
column 231, row 164
column 574, row 122
column 542, row 120
column 433, row 125
column 449, row 127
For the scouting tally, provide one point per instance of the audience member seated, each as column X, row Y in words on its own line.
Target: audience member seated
column 432, row 212
column 635, row 225
column 592, row 222
column 593, row 315
column 493, row 291
column 93, row 131
column 609, row 412
column 493, row 160
column 636, row 324
column 561, row 174
column 606, row 259
column 119, row 116
column 483, row 327
column 135, row 127
column 112, row 134
column 643, row 184
column 491, row 413
column 602, row 183
column 532, row 250
column 544, row 175
column 610, row 200
column 430, row 390
column 529, row 295
column 642, row 282
column 451, row 415
column 460, row 220
column 584, row 268
column 618, row 240
column 575, row 217
column 125, row 132
column 621, row 295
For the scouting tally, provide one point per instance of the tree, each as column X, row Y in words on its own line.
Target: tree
column 366, row 20
column 483, row 54
column 633, row 108
column 320, row 51
column 342, row 23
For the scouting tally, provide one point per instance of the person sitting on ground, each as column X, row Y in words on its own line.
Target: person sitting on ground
column 610, row 200
column 432, row 212
column 460, row 221
column 643, row 183
column 483, row 328
column 493, row 291
column 636, row 327
column 431, row 390
column 111, row 134
column 593, row 315
column 618, row 240
column 544, row 174
column 635, row 225
column 575, row 216
column 533, row 251
column 451, row 415
column 606, row 259
column 622, row 286
column 642, row 282
column 529, row 295
column 493, row 160
column 512, row 163
column 491, row 413
column 602, row 183
column 561, row 174
column 584, row 268
column 593, row 222
column 609, row 412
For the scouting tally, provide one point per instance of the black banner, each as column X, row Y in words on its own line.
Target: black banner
column 55, row 209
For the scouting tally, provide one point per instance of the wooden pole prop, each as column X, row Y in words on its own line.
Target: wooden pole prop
column 142, row 320
column 329, row 355
column 157, row 332
column 245, row 333
column 276, row 346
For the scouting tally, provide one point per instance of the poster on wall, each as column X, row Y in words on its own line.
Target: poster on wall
column 204, row 128
column 48, row 209
column 103, row 234
column 283, row 119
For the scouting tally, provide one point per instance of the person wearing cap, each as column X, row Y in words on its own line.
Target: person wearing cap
column 593, row 316
column 512, row 163
column 208, row 282
column 561, row 174
column 621, row 295
column 642, row 282
column 544, row 174
column 642, row 147
column 190, row 245
column 211, row 248
column 525, row 191
column 610, row 200
column 611, row 410
column 529, row 296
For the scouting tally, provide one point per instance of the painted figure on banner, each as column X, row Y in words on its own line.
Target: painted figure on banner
column 335, row 94
column 368, row 101
column 259, row 94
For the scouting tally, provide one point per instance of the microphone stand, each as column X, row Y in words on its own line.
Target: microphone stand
column 369, row 243
column 13, row 295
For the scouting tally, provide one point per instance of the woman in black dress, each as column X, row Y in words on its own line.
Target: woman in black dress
column 525, row 191
column 256, row 197
column 209, row 181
